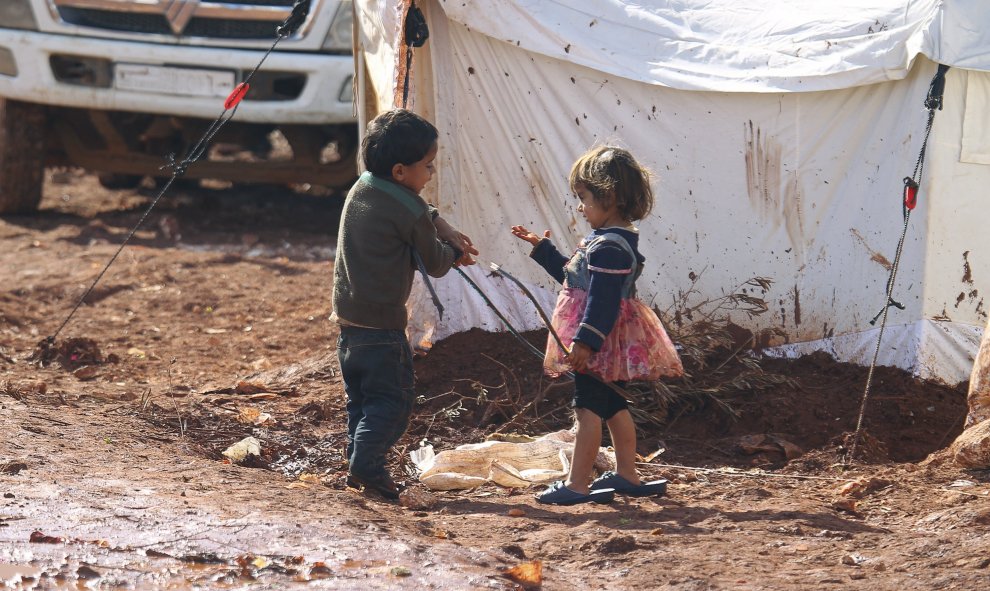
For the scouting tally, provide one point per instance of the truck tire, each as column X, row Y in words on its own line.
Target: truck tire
column 22, row 156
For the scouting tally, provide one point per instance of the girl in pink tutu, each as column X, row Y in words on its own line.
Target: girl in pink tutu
column 613, row 337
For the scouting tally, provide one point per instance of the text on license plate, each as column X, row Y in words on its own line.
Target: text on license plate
column 170, row 80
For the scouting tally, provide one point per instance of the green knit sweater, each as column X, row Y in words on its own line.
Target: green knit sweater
column 373, row 273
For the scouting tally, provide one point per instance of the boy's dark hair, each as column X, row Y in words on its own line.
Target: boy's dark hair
column 396, row 137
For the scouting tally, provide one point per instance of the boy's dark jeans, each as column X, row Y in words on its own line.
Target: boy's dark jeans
column 378, row 378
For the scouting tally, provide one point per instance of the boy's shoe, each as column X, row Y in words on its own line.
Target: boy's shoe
column 558, row 494
column 383, row 485
column 612, row 481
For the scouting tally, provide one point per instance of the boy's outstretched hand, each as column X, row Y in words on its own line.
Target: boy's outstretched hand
column 523, row 233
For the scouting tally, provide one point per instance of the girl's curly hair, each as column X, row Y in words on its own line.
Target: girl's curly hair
column 610, row 172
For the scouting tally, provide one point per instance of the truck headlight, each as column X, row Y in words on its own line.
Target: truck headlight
column 16, row 14
column 339, row 36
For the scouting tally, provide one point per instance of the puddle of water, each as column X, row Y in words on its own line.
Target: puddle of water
column 13, row 574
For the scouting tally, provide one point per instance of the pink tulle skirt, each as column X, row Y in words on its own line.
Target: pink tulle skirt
column 638, row 347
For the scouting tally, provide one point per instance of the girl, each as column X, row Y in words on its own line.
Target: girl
column 613, row 336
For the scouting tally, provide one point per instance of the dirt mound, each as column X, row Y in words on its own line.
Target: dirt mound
column 489, row 377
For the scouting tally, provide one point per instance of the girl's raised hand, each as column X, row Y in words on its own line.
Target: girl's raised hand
column 523, row 233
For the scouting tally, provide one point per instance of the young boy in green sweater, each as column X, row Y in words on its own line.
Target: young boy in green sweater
column 385, row 223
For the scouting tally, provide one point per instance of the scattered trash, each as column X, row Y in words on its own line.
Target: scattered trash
column 306, row 480
column 527, row 574
column 237, row 453
column 253, row 416
column 39, row 538
column 753, row 444
column 654, row 455
column 859, row 488
column 961, row 484
column 71, row 353
column 852, row 559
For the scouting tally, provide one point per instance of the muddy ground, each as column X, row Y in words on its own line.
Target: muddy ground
column 112, row 475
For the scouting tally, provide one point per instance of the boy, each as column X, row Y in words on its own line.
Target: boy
column 385, row 223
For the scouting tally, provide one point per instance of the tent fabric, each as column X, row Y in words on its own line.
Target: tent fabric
column 803, row 188
column 975, row 139
column 733, row 46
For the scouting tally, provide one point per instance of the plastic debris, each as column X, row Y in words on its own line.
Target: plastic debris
column 237, row 453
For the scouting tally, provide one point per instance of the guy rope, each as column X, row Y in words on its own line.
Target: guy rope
column 908, row 202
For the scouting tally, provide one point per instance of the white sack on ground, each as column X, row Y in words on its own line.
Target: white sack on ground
column 512, row 465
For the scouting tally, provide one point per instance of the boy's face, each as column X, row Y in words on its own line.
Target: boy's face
column 415, row 176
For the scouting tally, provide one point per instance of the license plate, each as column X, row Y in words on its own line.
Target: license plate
column 177, row 81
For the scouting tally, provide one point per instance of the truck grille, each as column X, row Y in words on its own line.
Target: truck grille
column 217, row 19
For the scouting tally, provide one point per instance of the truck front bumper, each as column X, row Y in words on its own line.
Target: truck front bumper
column 29, row 76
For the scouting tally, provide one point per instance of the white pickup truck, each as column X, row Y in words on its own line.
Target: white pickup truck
column 114, row 86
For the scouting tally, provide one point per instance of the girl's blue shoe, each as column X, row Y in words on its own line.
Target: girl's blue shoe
column 558, row 494
column 612, row 481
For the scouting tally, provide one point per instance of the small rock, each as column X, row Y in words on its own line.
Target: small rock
column 852, row 560
column 617, row 545
column 514, row 550
column 85, row 572
column 12, row 468
column 86, row 372
column 417, row 499
column 320, row 571
column 516, row 512
column 982, row 517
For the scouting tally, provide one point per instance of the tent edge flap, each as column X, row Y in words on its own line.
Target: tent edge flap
column 729, row 46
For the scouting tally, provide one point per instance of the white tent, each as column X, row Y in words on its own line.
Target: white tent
column 779, row 133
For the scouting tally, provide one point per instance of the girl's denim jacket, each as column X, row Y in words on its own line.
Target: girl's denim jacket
column 577, row 271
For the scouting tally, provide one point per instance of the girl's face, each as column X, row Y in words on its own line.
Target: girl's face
column 415, row 176
column 597, row 215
